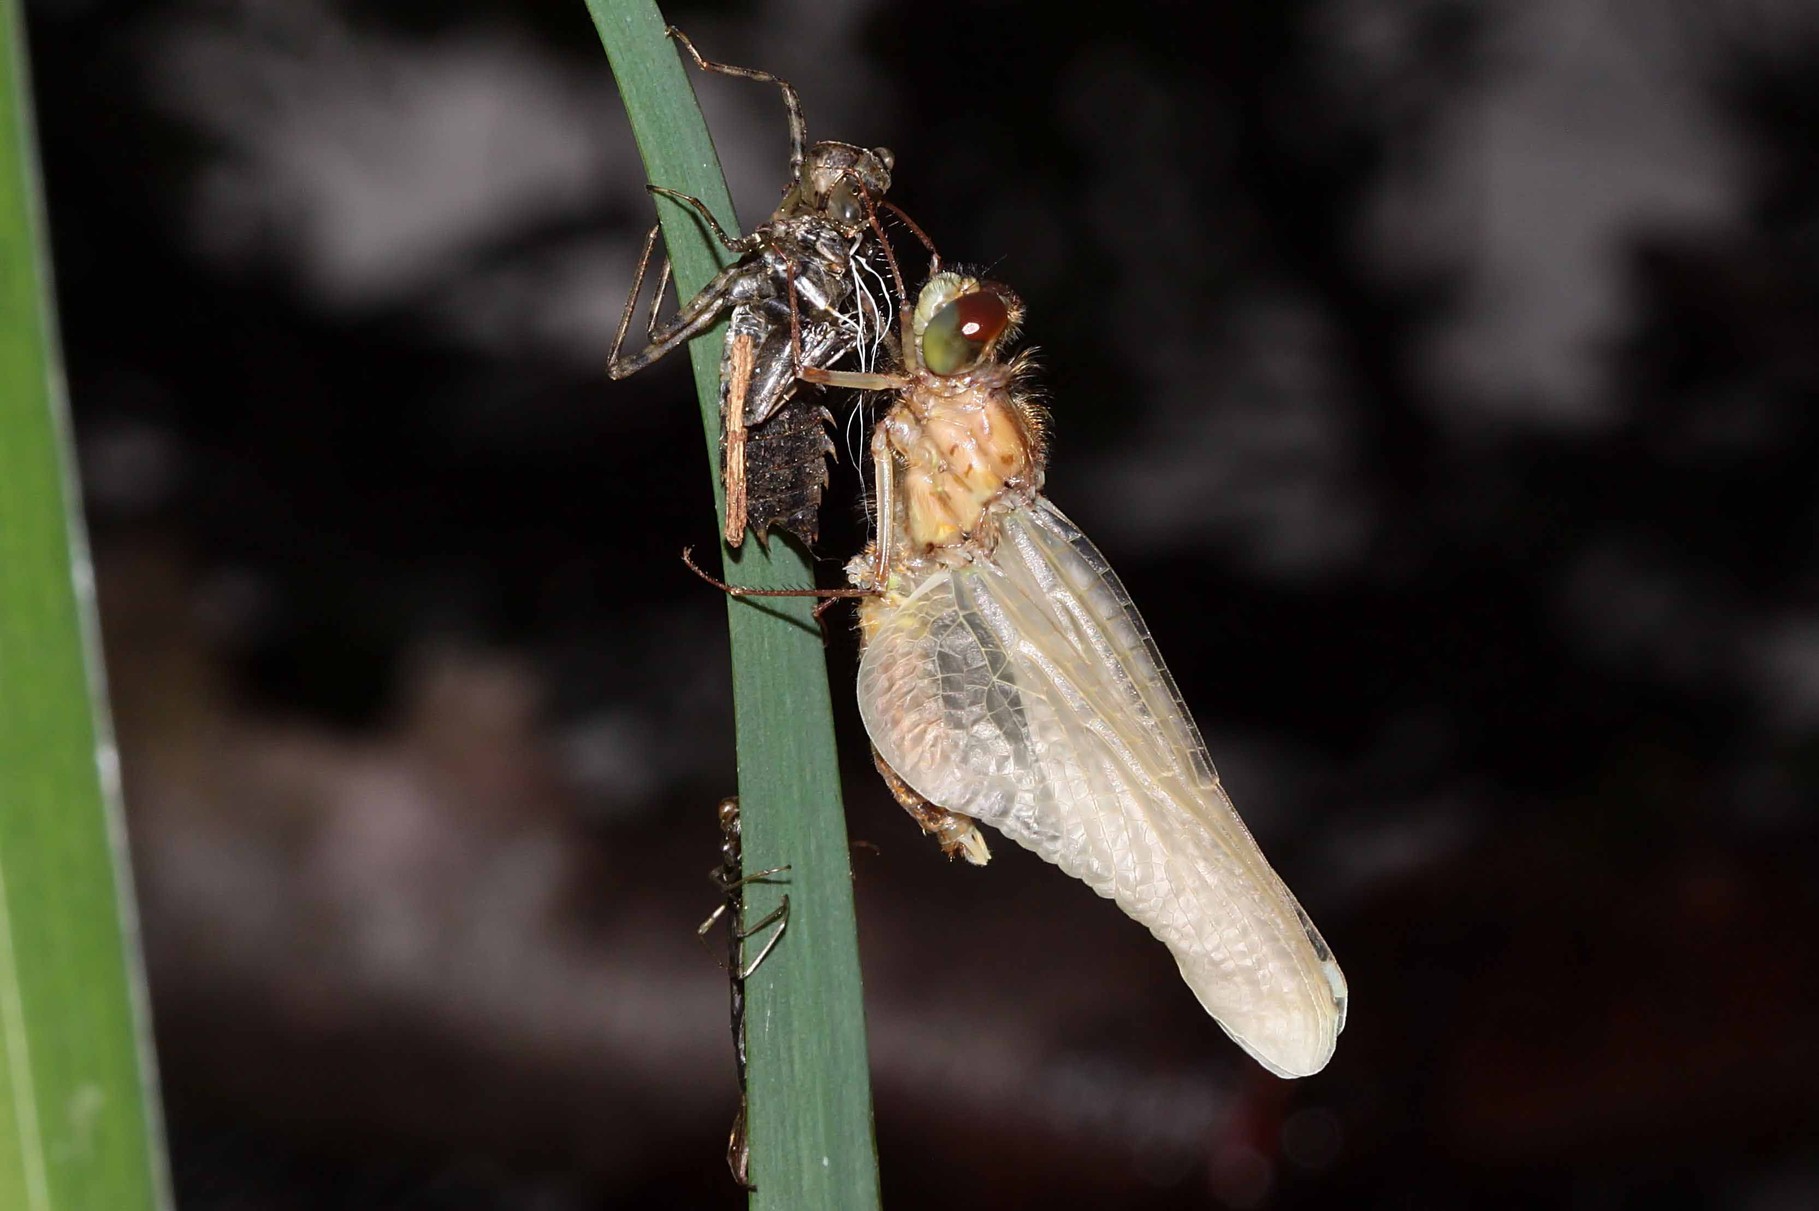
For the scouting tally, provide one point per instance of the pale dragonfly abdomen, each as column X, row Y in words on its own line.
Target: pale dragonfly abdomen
column 1025, row 691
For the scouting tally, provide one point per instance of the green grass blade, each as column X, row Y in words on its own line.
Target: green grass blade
column 78, row 1114
column 810, row 1089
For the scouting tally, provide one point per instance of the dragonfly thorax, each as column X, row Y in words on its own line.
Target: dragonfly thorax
column 967, row 447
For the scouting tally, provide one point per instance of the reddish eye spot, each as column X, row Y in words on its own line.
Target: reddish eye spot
column 982, row 316
column 958, row 334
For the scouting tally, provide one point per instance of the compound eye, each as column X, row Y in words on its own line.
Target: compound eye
column 886, row 157
column 843, row 204
column 959, row 333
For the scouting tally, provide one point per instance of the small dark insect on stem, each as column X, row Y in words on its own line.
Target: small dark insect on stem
column 731, row 879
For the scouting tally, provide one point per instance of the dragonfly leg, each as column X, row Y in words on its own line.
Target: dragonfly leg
column 739, row 246
column 778, row 917
column 934, row 254
column 650, row 326
column 757, row 876
column 695, row 317
column 884, row 509
column 701, row 932
column 631, row 301
column 798, row 128
column 736, row 926
column 884, row 244
column 956, row 834
column 795, row 316
column 853, row 380
column 739, row 590
column 828, row 596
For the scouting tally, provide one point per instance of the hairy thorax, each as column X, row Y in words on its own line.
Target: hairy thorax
column 967, row 449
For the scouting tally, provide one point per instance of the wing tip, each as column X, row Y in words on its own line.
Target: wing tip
column 1296, row 1042
column 1297, row 1057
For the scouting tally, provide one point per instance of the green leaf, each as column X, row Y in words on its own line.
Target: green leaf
column 810, row 1120
column 78, row 1115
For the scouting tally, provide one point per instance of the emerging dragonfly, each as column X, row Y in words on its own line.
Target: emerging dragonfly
column 1007, row 678
column 799, row 296
column 731, row 879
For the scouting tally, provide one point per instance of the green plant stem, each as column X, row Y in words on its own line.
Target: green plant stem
column 78, row 1114
column 810, row 1119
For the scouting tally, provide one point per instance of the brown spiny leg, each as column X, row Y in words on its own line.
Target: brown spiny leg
column 696, row 316
column 957, row 834
column 732, row 471
column 738, row 247
column 934, row 254
column 798, row 129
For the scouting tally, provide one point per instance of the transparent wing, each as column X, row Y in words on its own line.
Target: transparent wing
column 1028, row 694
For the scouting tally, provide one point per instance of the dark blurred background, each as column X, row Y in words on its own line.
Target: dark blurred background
column 1442, row 377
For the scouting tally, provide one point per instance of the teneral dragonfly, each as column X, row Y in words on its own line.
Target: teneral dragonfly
column 731, row 879
column 1007, row 678
column 804, row 293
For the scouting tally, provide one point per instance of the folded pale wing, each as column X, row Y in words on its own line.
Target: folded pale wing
column 1026, row 692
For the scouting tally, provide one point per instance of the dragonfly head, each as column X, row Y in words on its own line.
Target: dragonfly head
column 961, row 321
column 835, row 180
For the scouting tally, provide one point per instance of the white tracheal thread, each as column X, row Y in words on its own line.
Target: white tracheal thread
column 868, row 345
column 868, row 360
